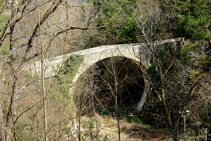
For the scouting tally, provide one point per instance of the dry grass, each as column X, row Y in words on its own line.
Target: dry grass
column 129, row 131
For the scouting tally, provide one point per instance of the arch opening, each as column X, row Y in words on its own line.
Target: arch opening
column 110, row 84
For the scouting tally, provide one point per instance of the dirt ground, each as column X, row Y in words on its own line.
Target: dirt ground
column 108, row 130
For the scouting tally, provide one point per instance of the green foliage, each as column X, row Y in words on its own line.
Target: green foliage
column 1, row 4
column 170, row 82
column 30, row 76
column 92, row 41
column 3, row 19
column 118, row 19
column 65, row 75
column 185, row 54
column 205, row 64
column 72, row 65
column 195, row 56
column 205, row 116
column 5, row 48
column 187, row 49
column 70, row 68
column 152, row 71
column 91, row 132
column 195, row 18
column 135, row 119
column 25, row 132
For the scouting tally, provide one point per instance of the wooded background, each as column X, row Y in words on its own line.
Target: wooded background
column 33, row 107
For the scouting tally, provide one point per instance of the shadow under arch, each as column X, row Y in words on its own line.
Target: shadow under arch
column 116, row 76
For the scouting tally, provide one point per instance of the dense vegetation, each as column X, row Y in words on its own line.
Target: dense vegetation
column 34, row 107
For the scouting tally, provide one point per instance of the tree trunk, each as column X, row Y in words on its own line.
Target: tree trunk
column 44, row 98
column 2, row 134
column 43, row 81
column 12, row 109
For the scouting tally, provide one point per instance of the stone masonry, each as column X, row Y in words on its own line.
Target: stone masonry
column 138, row 52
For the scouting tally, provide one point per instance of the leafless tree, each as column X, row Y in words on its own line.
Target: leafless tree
column 19, row 38
column 170, row 87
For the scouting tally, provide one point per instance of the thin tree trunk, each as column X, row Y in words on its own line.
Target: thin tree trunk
column 2, row 134
column 38, row 122
column 96, row 122
column 11, row 109
column 93, row 106
column 79, row 122
column 14, row 94
column 15, row 103
column 116, row 96
column 43, row 83
column 44, row 96
column 44, row 104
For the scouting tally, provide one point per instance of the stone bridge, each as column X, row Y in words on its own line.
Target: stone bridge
column 138, row 52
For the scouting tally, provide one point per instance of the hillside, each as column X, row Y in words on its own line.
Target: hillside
column 102, row 104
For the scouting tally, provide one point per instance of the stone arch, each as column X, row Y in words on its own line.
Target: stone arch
column 138, row 52
column 131, row 86
column 128, row 51
column 87, row 63
column 85, row 66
